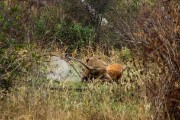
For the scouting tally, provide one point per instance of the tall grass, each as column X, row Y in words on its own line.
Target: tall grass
column 35, row 98
column 149, row 88
column 98, row 102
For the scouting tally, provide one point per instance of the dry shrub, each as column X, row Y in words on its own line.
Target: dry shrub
column 159, row 36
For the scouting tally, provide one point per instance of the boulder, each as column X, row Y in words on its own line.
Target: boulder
column 59, row 70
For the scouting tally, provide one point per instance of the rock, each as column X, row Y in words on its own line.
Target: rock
column 58, row 70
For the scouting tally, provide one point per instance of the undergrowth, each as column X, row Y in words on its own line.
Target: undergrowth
column 142, row 35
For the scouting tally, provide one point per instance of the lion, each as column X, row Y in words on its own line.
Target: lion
column 100, row 70
column 95, row 68
column 112, row 72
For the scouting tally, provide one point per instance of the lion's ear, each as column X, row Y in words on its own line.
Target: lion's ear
column 87, row 60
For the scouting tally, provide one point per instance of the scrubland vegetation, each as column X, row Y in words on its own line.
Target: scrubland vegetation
column 144, row 35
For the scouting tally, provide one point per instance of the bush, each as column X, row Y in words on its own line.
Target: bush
column 40, row 27
column 74, row 35
column 126, row 54
column 9, row 40
column 158, row 41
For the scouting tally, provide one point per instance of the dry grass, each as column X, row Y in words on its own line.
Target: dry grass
column 98, row 102
column 149, row 88
column 35, row 99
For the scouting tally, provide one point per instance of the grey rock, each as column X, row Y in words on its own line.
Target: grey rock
column 59, row 70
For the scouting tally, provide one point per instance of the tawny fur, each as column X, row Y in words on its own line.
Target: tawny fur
column 95, row 68
column 115, row 71
column 112, row 72
column 96, row 62
column 100, row 67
